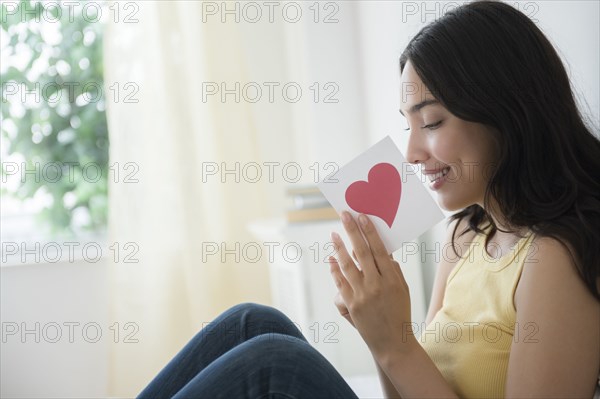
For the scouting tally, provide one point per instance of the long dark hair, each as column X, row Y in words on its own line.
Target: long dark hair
column 488, row 63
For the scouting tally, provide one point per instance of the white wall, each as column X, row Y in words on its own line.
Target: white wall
column 54, row 293
column 574, row 29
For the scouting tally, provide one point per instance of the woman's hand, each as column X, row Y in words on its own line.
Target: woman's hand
column 377, row 297
column 341, row 306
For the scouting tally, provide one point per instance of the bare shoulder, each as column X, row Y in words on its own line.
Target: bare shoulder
column 550, row 262
column 561, row 318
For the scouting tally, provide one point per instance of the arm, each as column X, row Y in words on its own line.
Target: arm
column 389, row 391
column 557, row 353
column 414, row 374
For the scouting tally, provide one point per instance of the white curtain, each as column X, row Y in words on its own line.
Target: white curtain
column 162, row 134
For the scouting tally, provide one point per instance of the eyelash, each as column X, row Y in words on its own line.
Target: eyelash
column 431, row 126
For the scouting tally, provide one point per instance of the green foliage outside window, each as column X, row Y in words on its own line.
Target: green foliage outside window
column 60, row 132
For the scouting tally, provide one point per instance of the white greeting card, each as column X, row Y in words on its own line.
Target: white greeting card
column 383, row 185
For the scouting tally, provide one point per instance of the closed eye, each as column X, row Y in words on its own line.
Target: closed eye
column 431, row 126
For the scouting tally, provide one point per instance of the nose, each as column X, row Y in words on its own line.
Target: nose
column 416, row 152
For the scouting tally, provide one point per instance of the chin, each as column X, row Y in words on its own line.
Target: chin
column 447, row 208
column 451, row 206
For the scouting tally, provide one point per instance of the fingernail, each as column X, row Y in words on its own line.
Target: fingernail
column 346, row 216
column 335, row 236
column 363, row 220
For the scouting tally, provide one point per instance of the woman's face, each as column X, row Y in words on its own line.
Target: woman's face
column 441, row 141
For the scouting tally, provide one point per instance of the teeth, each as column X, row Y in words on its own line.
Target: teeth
column 439, row 174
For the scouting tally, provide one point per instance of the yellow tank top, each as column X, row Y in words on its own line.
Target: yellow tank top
column 470, row 337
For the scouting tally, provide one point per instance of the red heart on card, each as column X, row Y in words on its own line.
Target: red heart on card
column 380, row 195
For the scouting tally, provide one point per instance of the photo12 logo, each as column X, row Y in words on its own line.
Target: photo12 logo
column 428, row 11
column 67, row 252
column 266, row 171
column 80, row 93
column 319, row 332
column 68, row 331
column 56, row 11
column 253, row 12
column 271, row 92
column 71, row 172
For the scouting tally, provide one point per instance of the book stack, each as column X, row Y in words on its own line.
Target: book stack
column 307, row 203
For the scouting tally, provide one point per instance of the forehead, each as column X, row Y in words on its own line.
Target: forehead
column 412, row 88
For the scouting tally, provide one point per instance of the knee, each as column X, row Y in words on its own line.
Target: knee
column 277, row 350
column 251, row 307
column 259, row 312
column 263, row 318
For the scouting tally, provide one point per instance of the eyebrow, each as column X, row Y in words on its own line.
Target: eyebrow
column 420, row 105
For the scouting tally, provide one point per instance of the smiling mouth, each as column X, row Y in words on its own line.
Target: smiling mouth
column 439, row 175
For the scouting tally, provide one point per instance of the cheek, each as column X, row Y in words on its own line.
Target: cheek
column 446, row 149
column 458, row 145
column 462, row 154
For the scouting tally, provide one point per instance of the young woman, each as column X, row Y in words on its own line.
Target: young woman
column 515, row 310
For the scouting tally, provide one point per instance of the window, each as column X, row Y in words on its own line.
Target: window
column 54, row 139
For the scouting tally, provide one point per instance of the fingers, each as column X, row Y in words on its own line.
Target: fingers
column 360, row 246
column 342, row 309
column 344, row 288
column 356, row 260
column 345, row 263
column 377, row 248
column 340, row 305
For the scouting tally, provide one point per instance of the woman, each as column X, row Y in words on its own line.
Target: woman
column 515, row 311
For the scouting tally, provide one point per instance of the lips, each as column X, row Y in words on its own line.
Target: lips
column 435, row 176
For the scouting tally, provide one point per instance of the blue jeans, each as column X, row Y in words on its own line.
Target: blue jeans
column 249, row 351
